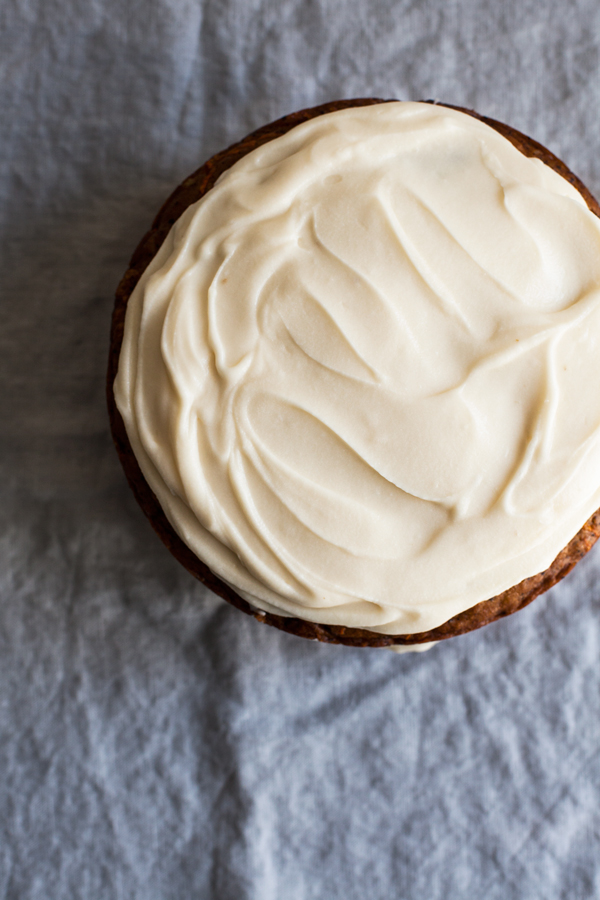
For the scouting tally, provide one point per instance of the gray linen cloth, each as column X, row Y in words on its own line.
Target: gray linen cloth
column 155, row 743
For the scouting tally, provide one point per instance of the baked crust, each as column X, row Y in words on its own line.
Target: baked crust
column 191, row 190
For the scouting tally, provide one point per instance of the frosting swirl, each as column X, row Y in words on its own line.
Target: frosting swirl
column 357, row 373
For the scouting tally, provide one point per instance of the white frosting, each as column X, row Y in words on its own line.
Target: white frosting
column 358, row 375
column 411, row 648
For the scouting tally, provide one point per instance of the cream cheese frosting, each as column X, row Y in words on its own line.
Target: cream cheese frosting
column 360, row 375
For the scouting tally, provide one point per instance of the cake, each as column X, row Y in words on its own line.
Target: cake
column 349, row 372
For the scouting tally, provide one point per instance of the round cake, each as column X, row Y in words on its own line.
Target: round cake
column 352, row 374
